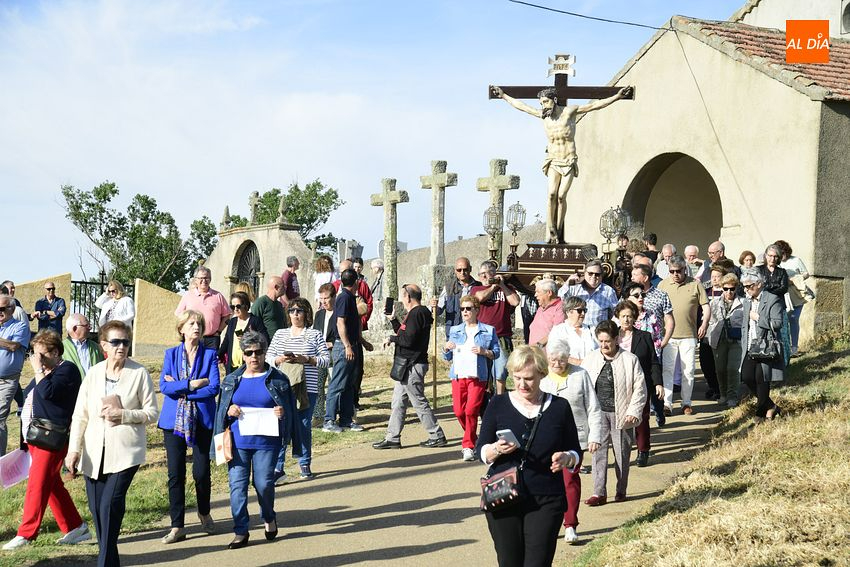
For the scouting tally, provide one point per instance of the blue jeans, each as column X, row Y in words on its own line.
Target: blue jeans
column 794, row 320
column 340, row 398
column 305, row 425
column 238, row 472
column 500, row 365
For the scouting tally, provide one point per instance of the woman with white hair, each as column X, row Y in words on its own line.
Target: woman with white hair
column 573, row 383
column 115, row 305
column 763, row 318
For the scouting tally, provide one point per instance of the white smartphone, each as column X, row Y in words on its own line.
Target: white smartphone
column 507, row 435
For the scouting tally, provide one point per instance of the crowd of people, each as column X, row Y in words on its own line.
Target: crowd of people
column 599, row 360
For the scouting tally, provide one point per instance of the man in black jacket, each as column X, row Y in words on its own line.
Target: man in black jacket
column 449, row 300
column 411, row 342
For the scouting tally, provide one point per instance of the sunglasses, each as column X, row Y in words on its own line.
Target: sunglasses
column 459, row 270
column 110, row 291
column 295, row 311
column 728, row 289
column 580, row 310
column 748, row 286
column 119, row 342
column 676, row 271
column 237, row 306
column 50, row 289
column 467, row 308
column 594, row 274
column 639, row 294
column 257, row 352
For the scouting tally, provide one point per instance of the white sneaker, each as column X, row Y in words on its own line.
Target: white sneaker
column 16, row 542
column 77, row 535
column 570, row 535
column 468, row 454
column 331, row 427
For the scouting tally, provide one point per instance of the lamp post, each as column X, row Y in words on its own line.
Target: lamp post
column 492, row 226
column 516, row 220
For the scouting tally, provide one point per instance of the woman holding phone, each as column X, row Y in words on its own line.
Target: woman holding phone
column 527, row 533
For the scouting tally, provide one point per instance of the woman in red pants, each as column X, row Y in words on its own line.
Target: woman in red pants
column 51, row 395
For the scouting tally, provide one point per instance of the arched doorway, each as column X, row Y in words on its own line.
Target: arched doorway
column 677, row 199
column 246, row 265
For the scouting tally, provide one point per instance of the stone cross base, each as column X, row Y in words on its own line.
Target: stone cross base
column 432, row 279
column 379, row 329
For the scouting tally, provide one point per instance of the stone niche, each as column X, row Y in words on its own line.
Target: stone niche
column 257, row 252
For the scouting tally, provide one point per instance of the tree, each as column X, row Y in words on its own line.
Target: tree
column 309, row 208
column 143, row 243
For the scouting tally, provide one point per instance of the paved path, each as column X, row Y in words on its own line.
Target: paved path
column 413, row 507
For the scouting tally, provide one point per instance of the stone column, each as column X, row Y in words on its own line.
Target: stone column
column 496, row 185
column 437, row 182
column 389, row 198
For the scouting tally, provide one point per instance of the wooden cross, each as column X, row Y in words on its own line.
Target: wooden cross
column 496, row 185
column 389, row 198
column 561, row 68
column 438, row 181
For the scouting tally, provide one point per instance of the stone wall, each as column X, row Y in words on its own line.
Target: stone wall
column 154, row 326
column 30, row 292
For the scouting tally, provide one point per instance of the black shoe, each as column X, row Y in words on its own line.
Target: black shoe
column 387, row 445
column 710, row 394
column 431, row 443
column 642, row 458
column 239, row 541
column 271, row 534
column 660, row 420
column 586, row 469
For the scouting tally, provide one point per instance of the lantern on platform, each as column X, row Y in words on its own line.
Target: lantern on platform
column 516, row 221
column 492, row 226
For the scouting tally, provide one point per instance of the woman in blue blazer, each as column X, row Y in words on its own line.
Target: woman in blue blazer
column 189, row 383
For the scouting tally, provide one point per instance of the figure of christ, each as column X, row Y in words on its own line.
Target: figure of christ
column 561, row 164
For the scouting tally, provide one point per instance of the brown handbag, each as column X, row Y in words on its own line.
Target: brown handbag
column 227, row 445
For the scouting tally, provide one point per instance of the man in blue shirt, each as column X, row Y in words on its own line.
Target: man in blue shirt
column 14, row 342
column 49, row 310
column 346, row 356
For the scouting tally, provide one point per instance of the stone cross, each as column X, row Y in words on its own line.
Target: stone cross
column 496, row 185
column 281, row 210
column 389, row 198
column 253, row 206
column 437, row 182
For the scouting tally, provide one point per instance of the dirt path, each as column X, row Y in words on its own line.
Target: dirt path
column 412, row 506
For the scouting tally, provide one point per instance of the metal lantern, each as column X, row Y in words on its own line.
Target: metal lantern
column 516, row 217
column 492, row 221
column 613, row 222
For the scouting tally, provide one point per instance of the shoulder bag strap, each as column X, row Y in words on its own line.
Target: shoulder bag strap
column 533, row 431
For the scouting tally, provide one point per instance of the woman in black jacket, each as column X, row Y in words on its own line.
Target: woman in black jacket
column 50, row 396
column 640, row 344
column 527, row 533
column 243, row 320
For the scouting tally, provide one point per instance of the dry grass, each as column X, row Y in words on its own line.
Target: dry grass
column 773, row 495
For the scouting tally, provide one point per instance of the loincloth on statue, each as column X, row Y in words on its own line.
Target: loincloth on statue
column 562, row 166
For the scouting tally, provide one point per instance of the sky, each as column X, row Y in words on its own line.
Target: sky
column 199, row 103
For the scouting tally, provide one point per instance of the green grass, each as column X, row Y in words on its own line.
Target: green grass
column 775, row 494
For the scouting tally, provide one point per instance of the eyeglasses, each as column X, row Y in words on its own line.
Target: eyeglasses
column 459, row 270
column 594, row 274
column 676, row 271
column 50, row 289
column 467, row 308
column 580, row 310
column 257, row 352
column 294, row 311
column 119, row 342
column 728, row 289
column 639, row 294
column 7, row 308
column 237, row 306
column 86, row 326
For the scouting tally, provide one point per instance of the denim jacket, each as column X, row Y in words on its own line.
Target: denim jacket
column 278, row 386
column 485, row 337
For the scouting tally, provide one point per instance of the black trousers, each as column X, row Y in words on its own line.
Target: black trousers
column 706, row 363
column 753, row 376
column 175, row 451
column 528, row 535
column 107, row 498
column 211, row 341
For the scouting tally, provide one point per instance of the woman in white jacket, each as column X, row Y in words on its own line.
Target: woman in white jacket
column 621, row 390
column 573, row 383
column 115, row 305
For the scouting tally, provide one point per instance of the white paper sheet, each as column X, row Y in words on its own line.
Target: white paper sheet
column 259, row 421
column 14, row 467
column 465, row 362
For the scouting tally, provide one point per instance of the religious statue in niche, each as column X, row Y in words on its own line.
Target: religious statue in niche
column 561, row 164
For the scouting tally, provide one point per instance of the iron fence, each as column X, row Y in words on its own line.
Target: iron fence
column 84, row 294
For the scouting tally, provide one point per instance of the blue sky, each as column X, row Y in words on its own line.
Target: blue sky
column 198, row 103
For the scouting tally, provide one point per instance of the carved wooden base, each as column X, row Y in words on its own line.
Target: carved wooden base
column 558, row 261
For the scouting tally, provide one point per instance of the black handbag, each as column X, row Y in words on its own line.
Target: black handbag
column 501, row 491
column 401, row 366
column 765, row 347
column 46, row 434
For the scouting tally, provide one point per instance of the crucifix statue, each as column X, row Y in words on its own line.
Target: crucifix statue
column 437, row 182
column 496, row 185
column 389, row 198
column 559, row 122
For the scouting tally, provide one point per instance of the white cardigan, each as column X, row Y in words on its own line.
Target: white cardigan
column 629, row 384
column 124, row 309
column 579, row 391
column 122, row 446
